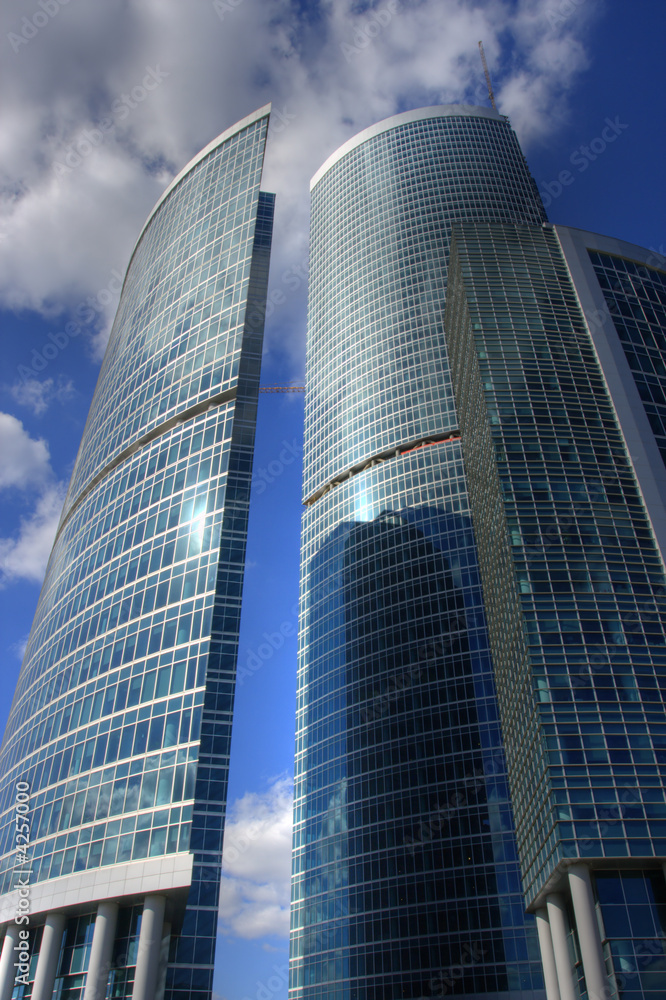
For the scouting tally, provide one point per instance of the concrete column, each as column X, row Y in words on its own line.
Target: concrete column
column 150, row 944
column 547, row 955
column 7, row 959
column 101, row 953
column 164, row 961
column 49, row 953
column 589, row 937
column 557, row 918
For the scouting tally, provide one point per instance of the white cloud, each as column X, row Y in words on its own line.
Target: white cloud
column 18, row 648
column 24, row 461
column 550, row 55
column 39, row 394
column 330, row 70
column 256, row 863
column 25, row 465
column 25, row 557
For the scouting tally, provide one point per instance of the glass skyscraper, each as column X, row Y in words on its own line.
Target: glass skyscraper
column 482, row 581
column 557, row 343
column 115, row 756
column 406, row 878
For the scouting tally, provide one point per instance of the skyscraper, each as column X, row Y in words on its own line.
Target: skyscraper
column 119, row 732
column 406, row 879
column 557, row 343
column 480, row 577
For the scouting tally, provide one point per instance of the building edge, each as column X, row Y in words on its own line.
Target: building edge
column 160, row 882
column 403, row 118
column 250, row 119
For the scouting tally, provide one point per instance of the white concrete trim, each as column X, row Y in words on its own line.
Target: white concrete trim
column 114, row 882
column 404, row 118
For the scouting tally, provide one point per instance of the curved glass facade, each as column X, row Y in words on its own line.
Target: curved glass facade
column 121, row 720
column 380, row 231
column 406, row 882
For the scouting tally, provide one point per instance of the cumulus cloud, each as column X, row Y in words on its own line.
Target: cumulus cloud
column 256, row 863
column 25, row 465
column 24, row 461
column 38, row 394
column 549, row 54
column 89, row 138
column 25, row 557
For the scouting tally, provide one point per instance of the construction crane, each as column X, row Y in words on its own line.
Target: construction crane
column 281, row 388
column 485, row 70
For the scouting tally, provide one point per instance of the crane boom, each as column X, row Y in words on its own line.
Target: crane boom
column 281, row 388
column 485, row 70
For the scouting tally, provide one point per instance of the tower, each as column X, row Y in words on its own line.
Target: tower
column 115, row 755
column 482, row 578
column 406, row 881
column 557, row 342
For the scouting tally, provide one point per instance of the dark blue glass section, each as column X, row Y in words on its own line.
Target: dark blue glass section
column 632, row 908
column 406, row 879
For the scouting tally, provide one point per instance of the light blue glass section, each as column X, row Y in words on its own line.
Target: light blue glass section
column 121, row 721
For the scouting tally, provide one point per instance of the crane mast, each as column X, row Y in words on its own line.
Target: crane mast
column 485, row 70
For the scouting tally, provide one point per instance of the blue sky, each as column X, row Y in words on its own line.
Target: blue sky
column 582, row 83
